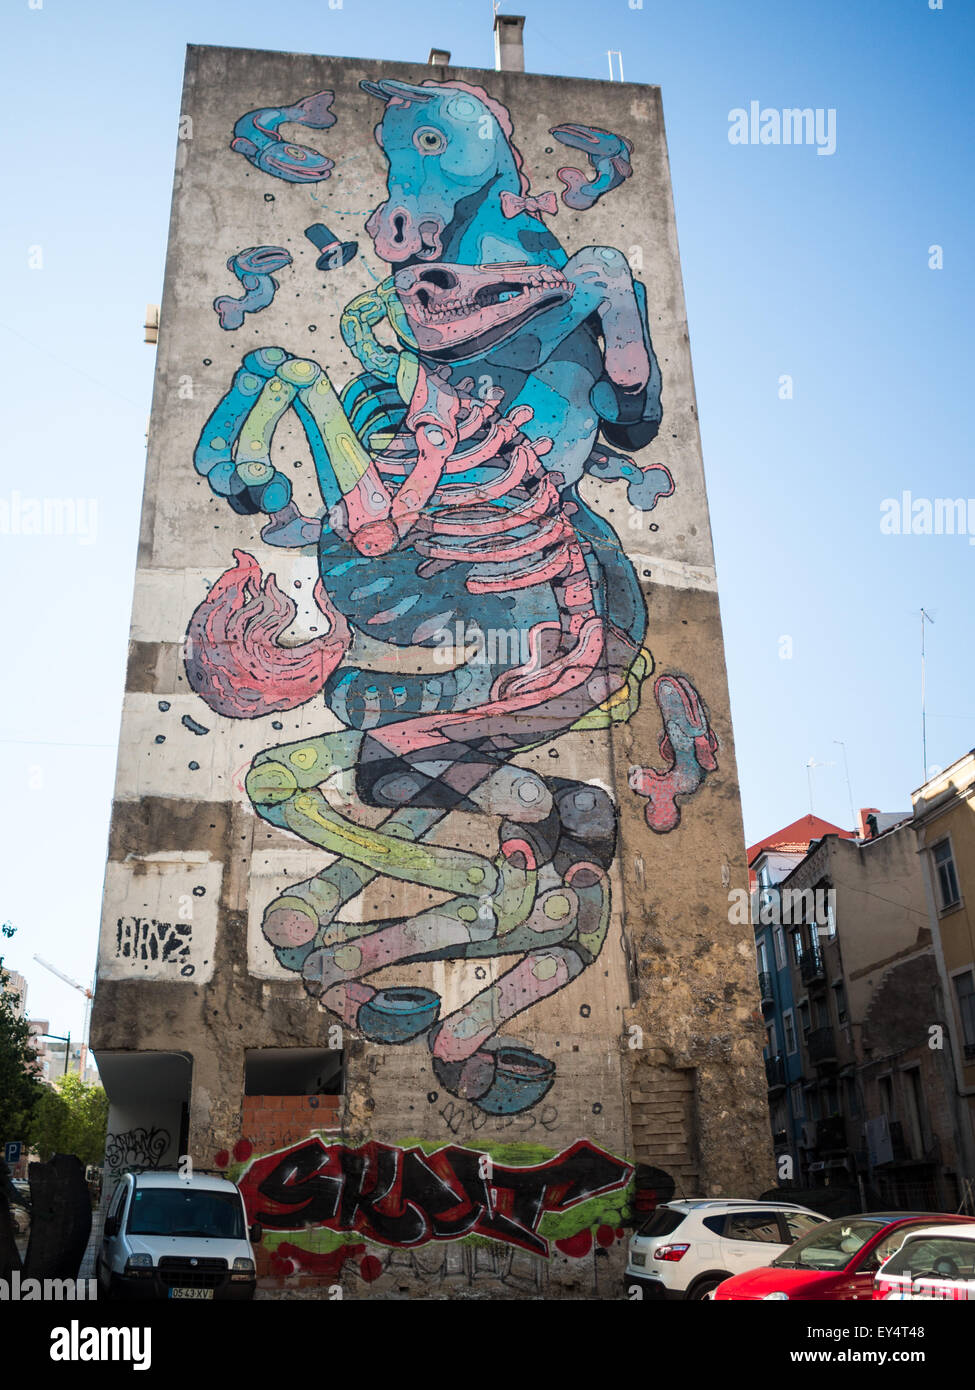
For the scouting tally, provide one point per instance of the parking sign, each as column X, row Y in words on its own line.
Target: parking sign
column 11, row 1151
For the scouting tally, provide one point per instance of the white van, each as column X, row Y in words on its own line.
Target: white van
column 168, row 1236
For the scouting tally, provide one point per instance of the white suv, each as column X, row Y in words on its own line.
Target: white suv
column 686, row 1249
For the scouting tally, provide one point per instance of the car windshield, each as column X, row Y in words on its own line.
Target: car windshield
column 830, row 1246
column 175, row 1211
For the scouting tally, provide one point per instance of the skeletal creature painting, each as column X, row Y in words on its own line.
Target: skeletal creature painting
column 496, row 370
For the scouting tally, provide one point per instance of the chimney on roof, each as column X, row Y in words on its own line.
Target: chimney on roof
column 439, row 57
column 509, row 42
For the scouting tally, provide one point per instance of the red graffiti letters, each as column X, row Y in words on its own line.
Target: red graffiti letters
column 405, row 1197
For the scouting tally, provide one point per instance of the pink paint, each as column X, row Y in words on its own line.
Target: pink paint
column 234, row 659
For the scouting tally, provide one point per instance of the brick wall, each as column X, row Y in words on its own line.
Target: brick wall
column 275, row 1122
column 662, row 1105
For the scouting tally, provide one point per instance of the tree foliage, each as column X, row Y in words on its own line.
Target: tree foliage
column 71, row 1118
column 20, row 1087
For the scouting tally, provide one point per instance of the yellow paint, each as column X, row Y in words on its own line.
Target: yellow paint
column 557, row 906
column 307, row 806
column 348, row 958
column 304, row 758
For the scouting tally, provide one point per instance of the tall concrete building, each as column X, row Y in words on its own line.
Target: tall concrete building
column 416, row 914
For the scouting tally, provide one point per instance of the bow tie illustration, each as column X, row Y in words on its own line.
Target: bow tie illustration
column 512, row 204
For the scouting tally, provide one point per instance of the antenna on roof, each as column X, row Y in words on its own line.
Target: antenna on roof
column 811, row 765
column 925, row 617
column 846, row 769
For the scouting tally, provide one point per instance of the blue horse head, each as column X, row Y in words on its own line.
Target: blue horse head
column 451, row 156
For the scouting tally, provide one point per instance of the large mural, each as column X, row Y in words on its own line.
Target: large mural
column 496, row 369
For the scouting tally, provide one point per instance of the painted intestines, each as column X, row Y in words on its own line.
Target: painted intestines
column 253, row 268
column 449, row 473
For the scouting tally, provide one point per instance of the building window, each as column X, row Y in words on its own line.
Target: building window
column 796, row 946
column 795, row 1095
column 852, row 1098
column 789, row 1030
column 914, row 1098
column 965, row 994
column 944, row 867
column 804, row 1020
column 886, row 1088
column 780, row 956
column 839, row 994
column 295, row 1071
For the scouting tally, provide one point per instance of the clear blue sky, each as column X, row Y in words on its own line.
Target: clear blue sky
column 794, row 263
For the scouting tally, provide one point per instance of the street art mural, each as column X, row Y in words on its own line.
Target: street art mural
column 256, row 137
column 406, row 1197
column 253, row 269
column 497, row 370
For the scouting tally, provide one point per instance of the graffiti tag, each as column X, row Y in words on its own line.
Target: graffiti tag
column 405, row 1197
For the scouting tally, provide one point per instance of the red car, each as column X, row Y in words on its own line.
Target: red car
column 837, row 1260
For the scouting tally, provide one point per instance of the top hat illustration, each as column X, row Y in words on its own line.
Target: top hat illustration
column 335, row 253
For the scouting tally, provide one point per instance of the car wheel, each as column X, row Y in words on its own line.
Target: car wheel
column 706, row 1288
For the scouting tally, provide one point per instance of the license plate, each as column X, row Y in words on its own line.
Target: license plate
column 191, row 1293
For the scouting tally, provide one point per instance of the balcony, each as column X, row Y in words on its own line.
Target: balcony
column 821, row 1043
column 775, row 1073
column 765, row 988
column 811, row 968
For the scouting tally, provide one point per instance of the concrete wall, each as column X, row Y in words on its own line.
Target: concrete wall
column 530, row 969
column 879, row 885
column 944, row 810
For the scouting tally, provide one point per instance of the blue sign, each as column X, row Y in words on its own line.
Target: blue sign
column 11, row 1151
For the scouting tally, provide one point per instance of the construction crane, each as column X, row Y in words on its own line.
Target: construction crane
column 87, row 993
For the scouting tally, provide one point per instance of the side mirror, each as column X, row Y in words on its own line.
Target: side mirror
column 255, row 1233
